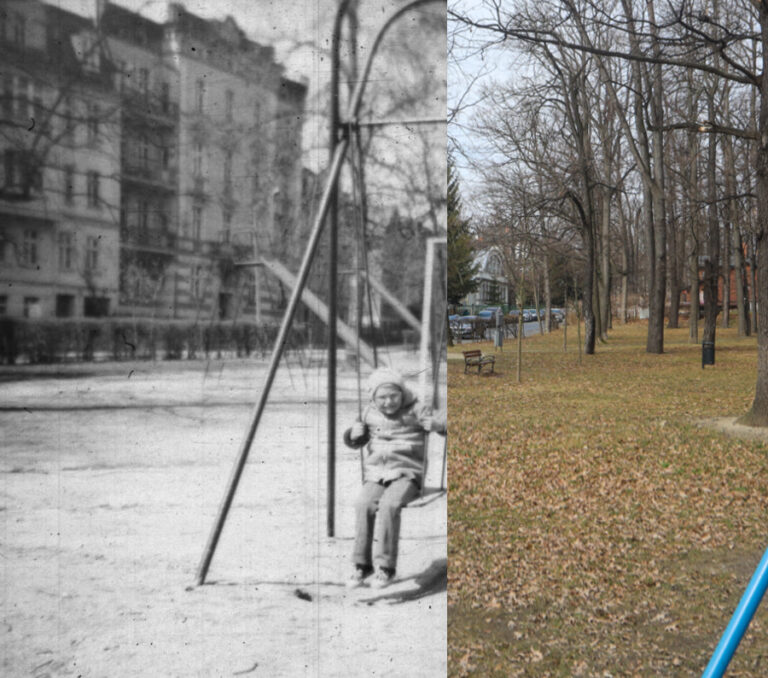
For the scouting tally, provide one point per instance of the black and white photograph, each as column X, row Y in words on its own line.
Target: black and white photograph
column 223, row 331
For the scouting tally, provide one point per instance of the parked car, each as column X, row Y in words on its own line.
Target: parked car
column 462, row 326
column 489, row 313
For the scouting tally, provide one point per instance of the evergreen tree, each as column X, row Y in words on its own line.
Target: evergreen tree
column 461, row 270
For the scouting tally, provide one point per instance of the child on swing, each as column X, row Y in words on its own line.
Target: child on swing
column 392, row 429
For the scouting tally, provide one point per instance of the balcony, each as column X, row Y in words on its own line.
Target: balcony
column 159, row 241
column 150, row 107
column 150, row 175
column 231, row 245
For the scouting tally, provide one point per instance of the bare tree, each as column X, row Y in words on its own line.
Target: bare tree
column 722, row 44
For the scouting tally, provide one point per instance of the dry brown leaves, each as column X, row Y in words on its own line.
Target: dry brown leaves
column 594, row 529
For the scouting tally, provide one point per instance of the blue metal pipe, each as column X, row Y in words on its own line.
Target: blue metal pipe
column 737, row 627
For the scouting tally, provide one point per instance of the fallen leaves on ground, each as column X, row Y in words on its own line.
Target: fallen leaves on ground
column 594, row 529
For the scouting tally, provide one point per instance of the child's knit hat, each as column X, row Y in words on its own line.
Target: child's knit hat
column 386, row 375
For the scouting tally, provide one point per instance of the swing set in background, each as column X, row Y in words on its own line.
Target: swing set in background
column 430, row 350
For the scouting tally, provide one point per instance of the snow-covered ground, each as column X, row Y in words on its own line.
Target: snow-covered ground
column 110, row 479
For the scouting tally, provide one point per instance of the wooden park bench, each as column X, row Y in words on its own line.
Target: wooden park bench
column 477, row 359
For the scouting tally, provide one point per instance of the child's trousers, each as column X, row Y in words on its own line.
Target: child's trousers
column 377, row 513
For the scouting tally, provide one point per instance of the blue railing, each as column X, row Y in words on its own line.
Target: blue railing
column 739, row 622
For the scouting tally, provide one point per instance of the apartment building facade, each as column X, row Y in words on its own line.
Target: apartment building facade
column 202, row 168
column 59, row 188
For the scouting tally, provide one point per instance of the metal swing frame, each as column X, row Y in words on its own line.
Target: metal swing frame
column 425, row 497
column 328, row 206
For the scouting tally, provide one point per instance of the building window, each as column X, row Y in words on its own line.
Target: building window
column 39, row 115
column 65, row 305
column 21, row 173
column 95, row 307
column 229, row 105
column 494, row 265
column 92, row 253
column 227, row 220
column 7, row 105
column 225, row 301
column 197, row 222
column 165, row 97
column 69, row 184
column 121, row 73
column 11, row 167
column 143, row 152
column 93, row 122
column 19, row 30
column 195, row 282
column 3, row 304
column 29, row 247
column 228, row 173
column 22, row 98
column 165, row 155
column 68, row 120
column 143, row 217
column 93, row 189
column 199, row 96
column 66, row 251
column 32, row 307
column 34, row 176
column 257, row 113
column 144, row 81
column 197, row 160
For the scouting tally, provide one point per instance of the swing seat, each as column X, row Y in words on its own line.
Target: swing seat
column 427, row 494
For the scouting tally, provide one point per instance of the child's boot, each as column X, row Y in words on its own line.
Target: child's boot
column 384, row 577
column 358, row 577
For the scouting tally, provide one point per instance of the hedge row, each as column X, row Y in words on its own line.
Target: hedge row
column 48, row 341
column 68, row 340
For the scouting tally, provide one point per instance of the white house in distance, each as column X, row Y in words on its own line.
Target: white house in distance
column 494, row 288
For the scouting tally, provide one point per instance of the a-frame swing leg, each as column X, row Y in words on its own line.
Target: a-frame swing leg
column 282, row 336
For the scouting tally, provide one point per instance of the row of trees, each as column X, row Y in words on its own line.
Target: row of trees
column 631, row 144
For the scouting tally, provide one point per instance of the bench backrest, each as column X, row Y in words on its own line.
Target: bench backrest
column 472, row 354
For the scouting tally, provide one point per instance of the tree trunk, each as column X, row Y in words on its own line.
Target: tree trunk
column 693, row 274
column 674, row 279
column 758, row 413
column 655, row 343
column 735, row 241
column 692, row 217
column 599, row 330
column 741, row 284
column 711, row 264
column 605, row 267
column 536, row 297
column 753, row 284
column 625, row 263
column 726, row 261
column 547, row 296
column 520, row 327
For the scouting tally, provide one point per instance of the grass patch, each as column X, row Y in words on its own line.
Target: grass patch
column 595, row 528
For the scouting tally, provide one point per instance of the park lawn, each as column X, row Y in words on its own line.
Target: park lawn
column 596, row 528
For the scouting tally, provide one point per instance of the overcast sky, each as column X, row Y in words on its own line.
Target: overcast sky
column 473, row 68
